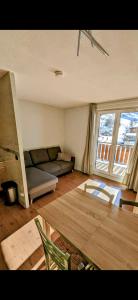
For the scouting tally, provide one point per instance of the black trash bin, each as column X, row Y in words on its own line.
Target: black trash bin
column 10, row 192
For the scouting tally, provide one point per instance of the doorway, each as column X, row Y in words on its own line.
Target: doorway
column 116, row 135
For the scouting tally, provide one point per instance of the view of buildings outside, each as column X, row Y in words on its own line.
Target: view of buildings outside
column 127, row 130
column 106, row 128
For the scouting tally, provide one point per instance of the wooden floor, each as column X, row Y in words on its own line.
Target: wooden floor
column 14, row 217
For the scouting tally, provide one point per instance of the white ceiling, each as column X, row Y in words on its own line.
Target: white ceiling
column 90, row 77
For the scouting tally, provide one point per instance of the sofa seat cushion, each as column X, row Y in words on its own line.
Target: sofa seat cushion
column 53, row 152
column 39, row 156
column 37, row 177
column 50, row 167
column 64, row 164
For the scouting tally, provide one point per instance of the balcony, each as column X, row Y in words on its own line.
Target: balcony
column 121, row 158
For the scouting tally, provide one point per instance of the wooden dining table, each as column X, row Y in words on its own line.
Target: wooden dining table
column 104, row 233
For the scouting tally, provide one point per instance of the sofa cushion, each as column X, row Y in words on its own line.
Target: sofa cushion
column 64, row 164
column 56, row 167
column 39, row 156
column 27, row 159
column 37, row 177
column 64, row 156
column 49, row 167
column 53, row 152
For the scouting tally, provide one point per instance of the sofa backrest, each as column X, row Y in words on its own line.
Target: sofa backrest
column 53, row 152
column 39, row 156
column 27, row 159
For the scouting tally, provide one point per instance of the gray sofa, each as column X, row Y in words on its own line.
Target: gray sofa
column 42, row 169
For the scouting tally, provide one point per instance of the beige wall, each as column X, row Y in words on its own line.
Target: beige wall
column 10, row 137
column 76, row 120
column 41, row 125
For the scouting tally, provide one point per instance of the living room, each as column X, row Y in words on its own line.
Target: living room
column 81, row 135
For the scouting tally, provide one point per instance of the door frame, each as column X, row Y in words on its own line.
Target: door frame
column 114, row 141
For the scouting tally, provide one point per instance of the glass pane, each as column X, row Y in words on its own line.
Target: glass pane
column 125, row 142
column 105, row 133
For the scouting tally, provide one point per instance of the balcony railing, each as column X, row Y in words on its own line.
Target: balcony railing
column 122, row 153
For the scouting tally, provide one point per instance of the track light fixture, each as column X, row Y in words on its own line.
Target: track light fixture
column 93, row 41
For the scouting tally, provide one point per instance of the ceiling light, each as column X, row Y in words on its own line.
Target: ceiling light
column 58, row 72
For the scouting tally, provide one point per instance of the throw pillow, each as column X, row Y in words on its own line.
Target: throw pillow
column 64, row 156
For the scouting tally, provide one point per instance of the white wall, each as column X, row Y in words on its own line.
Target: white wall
column 42, row 125
column 76, row 120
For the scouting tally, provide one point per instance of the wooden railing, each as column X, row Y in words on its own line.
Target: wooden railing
column 122, row 153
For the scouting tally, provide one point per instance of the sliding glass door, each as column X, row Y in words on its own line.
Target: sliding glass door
column 115, row 139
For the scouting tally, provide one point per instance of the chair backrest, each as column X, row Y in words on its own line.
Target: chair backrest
column 55, row 258
column 127, row 202
column 94, row 187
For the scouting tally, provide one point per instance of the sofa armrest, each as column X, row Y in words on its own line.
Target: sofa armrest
column 73, row 160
